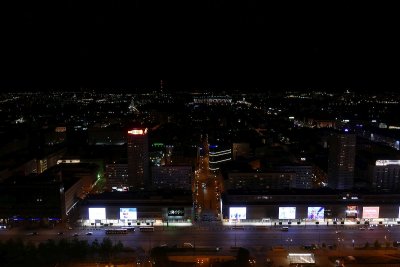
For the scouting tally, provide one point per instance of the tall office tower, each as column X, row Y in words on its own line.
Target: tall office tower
column 138, row 158
column 342, row 154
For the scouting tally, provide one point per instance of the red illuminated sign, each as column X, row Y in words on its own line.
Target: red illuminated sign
column 138, row 131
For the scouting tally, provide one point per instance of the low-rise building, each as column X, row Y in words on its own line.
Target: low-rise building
column 322, row 205
column 126, row 208
column 172, row 177
column 116, row 176
column 259, row 180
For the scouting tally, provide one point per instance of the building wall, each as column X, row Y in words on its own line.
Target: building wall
column 83, row 171
column 172, row 177
column 116, row 175
column 386, row 178
column 240, row 150
column 32, row 200
column 335, row 206
column 341, row 161
column 157, row 211
column 252, row 181
column 303, row 177
column 72, row 194
column 50, row 160
column 337, row 211
column 106, row 136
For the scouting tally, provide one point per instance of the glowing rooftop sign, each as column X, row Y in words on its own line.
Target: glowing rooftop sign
column 138, row 131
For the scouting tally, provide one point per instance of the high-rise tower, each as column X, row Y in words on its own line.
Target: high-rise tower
column 342, row 153
column 138, row 158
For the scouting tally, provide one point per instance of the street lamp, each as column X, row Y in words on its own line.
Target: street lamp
column 289, row 240
column 319, row 236
column 385, row 242
column 235, row 231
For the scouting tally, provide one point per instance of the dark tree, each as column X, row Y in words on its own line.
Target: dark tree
column 243, row 256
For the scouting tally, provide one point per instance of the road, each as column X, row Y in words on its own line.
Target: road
column 207, row 190
column 259, row 240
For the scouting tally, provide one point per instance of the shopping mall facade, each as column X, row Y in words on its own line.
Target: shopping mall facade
column 129, row 209
column 311, row 207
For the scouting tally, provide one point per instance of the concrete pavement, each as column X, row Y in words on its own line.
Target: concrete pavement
column 325, row 257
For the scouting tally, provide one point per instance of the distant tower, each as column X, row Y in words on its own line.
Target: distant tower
column 206, row 146
column 342, row 153
column 163, row 86
column 132, row 107
column 138, row 158
column 168, row 154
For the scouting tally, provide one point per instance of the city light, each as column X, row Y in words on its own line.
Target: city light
column 138, row 131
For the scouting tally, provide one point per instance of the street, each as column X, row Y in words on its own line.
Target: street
column 214, row 234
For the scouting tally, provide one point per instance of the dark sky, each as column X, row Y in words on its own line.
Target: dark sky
column 204, row 44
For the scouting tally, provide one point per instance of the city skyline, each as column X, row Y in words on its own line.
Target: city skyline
column 193, row 170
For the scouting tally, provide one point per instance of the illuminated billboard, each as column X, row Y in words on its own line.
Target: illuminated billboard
column 237, row 213
column 176, row 211
column 138, row 131
column 127, row 213
column 387, row 162
column 315, row 213
column 370, row 212
column 287, row 212
column 351, row 212
column 97, row 213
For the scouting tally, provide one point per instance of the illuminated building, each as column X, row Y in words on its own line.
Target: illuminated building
column 138, row 158
column 146, row 207
column 117, row 176
column 386, row 175
column 49, row 160
column 296, row 205
column 212, row 100
column 218, row 155
column 341, row 161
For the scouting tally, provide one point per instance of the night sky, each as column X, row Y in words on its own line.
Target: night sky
column 204, row 44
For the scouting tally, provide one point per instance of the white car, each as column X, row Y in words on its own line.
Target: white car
column 188, row 245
